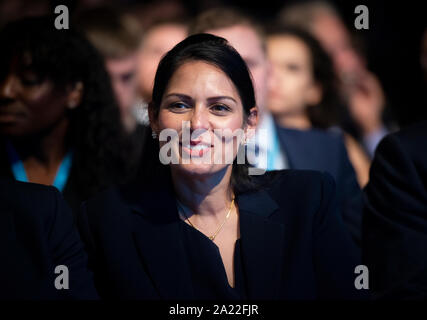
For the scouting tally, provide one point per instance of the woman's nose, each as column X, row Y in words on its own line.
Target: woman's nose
column 200, row 119
column 8, row 87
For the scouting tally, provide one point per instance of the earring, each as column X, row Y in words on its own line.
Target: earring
column 154, row 135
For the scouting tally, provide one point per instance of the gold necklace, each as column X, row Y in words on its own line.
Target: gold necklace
column 212, row 237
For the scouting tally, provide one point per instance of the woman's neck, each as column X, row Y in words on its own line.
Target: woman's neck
column 43, row 152
column 294, row 121
column 206, row 196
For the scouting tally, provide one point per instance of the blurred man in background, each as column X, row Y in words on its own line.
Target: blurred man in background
column 116, row 36
column 158, row 38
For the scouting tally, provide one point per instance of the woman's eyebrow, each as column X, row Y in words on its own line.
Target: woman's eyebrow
column 210, row 100
column 181, row 96
column 214, row 99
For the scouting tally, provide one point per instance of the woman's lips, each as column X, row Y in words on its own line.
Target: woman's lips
column 196, row 148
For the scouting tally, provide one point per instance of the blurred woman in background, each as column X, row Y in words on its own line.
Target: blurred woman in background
column 59, row 122
column 303, row 91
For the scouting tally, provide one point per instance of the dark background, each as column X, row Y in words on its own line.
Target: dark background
column 391, row 45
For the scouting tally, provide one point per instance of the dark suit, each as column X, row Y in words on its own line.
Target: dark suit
column 293, row 242
column 395, row 215
column 36, row 235
column 325, row 151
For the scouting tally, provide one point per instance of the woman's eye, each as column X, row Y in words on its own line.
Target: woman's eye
column 220, row 108
column 293, row 67
column 179, row 106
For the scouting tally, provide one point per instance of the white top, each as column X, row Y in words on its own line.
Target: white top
column 266, row 142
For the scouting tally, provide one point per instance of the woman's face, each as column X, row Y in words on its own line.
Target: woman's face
column 203, row 106
column 29, row 105
column 292, row 87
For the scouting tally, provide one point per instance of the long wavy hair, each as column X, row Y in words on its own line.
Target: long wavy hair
column 66, row 57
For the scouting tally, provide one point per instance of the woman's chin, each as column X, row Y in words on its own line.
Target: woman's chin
column 200, row 169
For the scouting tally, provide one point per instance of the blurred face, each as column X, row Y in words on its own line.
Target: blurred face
column 292, row 86
column 334, row 37
column 156, row 43
column 249, row 45
column 29, row 105
column 123, row 78
column 201, row 99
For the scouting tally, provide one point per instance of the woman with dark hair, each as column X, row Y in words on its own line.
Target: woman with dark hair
column 204, row 229
column 312, row 93
column 59, row 123
column 303, row 93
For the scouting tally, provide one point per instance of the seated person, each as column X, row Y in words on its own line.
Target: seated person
column 59, row 122
column 367, row 113
column 287, row 149
column 203, row 227
column 395, row 216
column 303, row 100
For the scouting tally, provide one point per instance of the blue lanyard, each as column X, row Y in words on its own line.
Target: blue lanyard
column 273, row 152
column 19, row 173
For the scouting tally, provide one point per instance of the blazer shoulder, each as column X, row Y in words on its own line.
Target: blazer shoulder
column 35, row 199
column 314, row 134
column 300, row 188
column 104, row 204
column 328, row 137
column 408, row 139
column 417, row 131
column 292, row 178
column 112, row 207
column 18, row 187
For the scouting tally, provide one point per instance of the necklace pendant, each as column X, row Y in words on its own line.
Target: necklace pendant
column 212, row 238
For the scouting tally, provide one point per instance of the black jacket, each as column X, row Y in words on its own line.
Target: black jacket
column 395, row 215
column 323, row 150
column 294, row 244
column 37, row 234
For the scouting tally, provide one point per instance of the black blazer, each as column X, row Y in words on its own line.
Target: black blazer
column 323, row 150
column 294, row 243
column 395, row 215
column 36, row 235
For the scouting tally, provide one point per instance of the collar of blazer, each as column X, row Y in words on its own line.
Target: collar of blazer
column 158, row 241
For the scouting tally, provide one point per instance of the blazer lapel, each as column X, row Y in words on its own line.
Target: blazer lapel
column 157, row 236
column 262, row 245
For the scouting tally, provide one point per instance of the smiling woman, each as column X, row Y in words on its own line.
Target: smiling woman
column 210, row 231
column 207, row 112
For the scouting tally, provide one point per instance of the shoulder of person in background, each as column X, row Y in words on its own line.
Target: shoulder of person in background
column 41, row 255
column 318, row 149
column 395, row 215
